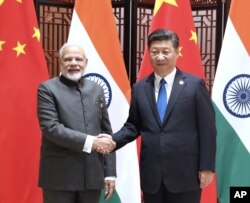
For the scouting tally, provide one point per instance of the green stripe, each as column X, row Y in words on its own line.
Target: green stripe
column 232, row 159
column 114, row 199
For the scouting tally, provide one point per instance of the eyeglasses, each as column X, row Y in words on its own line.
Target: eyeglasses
column 77, row 59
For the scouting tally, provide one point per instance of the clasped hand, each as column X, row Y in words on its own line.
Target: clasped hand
column 206, row 177
column 104, row 144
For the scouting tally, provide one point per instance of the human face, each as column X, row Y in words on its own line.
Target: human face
column 73, row 62
column 163, row 57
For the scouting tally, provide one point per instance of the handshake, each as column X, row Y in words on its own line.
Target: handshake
column 104, row 144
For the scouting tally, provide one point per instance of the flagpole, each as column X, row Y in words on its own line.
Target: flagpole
column 223, row 18
column 130, row 41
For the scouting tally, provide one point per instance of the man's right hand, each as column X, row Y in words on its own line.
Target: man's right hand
column 103, row 143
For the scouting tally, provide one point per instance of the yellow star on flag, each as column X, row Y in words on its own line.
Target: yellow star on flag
column 19, row 48
column 19, row 1
column 1, row 2
column 36, row 33
column 1, row 43
column 158, row 4
column 193, row 37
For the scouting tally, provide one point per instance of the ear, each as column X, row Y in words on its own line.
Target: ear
column 59, row 60
column 178, row 51
column 86, row 63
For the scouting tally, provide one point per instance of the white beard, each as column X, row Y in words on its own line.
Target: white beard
column 74, row 77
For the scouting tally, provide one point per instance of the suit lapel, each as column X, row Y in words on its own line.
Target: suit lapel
column 150, row 95
column 179, row 84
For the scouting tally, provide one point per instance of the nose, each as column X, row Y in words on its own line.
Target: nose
column 160, row 56
column 73, row 61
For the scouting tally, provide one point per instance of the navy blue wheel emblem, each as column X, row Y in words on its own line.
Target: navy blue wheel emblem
column 236, row 96
column 103, row 83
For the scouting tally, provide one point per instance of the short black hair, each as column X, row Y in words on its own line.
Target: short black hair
column 163, row 34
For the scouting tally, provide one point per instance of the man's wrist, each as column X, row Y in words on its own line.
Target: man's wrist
column 89, row 143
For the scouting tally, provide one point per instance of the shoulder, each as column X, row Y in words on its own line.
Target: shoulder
column 50, row 82
column 192, row 82
column 145, row 80
column 190, row 77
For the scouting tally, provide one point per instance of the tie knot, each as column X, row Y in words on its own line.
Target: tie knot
column 163, row 81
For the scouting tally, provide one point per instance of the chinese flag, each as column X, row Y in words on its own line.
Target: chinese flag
column 176, row 15
column 22, row 68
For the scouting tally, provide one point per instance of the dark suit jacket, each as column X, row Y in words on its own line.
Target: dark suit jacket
column 67, row 112
column 172, row 152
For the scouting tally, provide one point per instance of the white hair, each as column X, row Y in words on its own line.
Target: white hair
column 68, row 44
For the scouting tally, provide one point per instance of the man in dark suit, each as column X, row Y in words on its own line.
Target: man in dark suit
column 177, row 155
column 71, row 112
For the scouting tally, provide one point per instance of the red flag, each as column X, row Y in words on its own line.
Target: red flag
column 22, row 68
column 176, row 15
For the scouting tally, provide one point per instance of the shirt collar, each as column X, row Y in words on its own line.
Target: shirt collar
column 72, row 83
column 169, row 79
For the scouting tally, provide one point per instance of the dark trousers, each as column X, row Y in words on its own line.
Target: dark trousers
column 165, row 196
column 86, row 196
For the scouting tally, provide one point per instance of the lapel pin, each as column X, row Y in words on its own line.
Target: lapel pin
column 181, row 82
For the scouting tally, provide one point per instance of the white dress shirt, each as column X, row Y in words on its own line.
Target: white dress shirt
column 169, row 83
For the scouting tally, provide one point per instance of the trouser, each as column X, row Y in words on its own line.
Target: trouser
column 165, row 196
column 85, row 196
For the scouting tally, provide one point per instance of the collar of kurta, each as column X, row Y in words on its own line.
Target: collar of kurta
column 71, row 82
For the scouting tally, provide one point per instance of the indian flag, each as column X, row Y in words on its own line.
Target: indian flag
column 93, row 26
column 231, row 96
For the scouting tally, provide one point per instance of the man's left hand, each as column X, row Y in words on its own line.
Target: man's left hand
column 109, row 188
column 206, row 177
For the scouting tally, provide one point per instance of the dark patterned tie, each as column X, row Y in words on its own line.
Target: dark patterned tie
column 162, row 99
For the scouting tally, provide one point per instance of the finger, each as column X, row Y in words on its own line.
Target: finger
column 109, row 194
column 203, row 183
column 103, row 151
column 106, row 188
column 109, row 188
